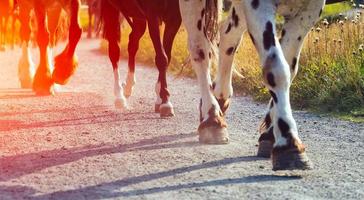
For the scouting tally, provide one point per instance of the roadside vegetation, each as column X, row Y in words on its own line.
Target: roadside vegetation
column 331, row 75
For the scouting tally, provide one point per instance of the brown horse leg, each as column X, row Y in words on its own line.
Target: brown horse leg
column 89, row 32
column 162, row 104
column 53, row 16
column 2, row 32
column 26, row 64
column 42, row 84
column 66, row 63
column 138, row 30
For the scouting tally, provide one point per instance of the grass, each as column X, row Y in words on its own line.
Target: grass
column 331, row 75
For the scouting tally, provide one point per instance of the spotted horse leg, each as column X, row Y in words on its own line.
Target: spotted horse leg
column 294, row 31
column 231, row 33
column 212, row 128
column 288, row 151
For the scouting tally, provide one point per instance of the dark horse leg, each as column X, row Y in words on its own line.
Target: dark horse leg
column 89, row 30
column 53, row 15
column 66, row 63
column 138, row 29
column 110, row 16
column 26, row 64
column 43, row 83
column 3, row 24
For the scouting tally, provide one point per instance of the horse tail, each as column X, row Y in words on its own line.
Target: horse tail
column 111, row 21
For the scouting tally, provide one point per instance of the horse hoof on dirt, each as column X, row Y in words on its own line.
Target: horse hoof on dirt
column 43, row 90
column 166, row 110
column 157, row 107
column 121, row 104
column 213, row 131
column 64, row 68
column 26, row 73
column 213, row 135
column 128, row 90
column 290, row 159
column 43, row 84
column 26, row 83
column 265, row 149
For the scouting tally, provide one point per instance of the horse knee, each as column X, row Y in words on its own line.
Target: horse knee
column 276, row 72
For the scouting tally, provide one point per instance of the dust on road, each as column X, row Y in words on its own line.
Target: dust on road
column 76, row 145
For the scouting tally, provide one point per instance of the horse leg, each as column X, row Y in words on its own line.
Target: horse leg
column 89, row 30
column 288, row 151
column 53, row 16
column 42, row 84
column 138, row 29
column 110, row 17
column 231, row 33
column 12, row 40
column 212, row 128
column 162, row 105
column 66, row 63
column 2, row 34
column 26, row 65
column 294, row 31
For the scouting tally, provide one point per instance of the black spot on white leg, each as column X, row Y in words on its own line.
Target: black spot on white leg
column 200, row 108
column 270, row 79
column 284, row 128
column 299, row 38
column 199, row 25
column 268, row 36
column 201, row 54
column 274, row 96
column 294, row 64
column 228, row 29
column 255, row 4
column 230, row 51
column 235, row 18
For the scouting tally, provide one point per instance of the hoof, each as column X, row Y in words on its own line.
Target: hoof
column 213, row 135
column 128, row 90
column 64, row 68
column 265, row 149
column 290, row 159
column 166, row 110
column 26, row 73
column 157, row 107
column 43, row 84
column 26, row 83
column 44, row 91
column 121, row 104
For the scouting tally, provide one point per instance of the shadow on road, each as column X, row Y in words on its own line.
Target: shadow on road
column 19, row 165
column 112, row 189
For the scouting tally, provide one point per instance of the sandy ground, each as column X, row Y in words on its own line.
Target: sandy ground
column 76, row 145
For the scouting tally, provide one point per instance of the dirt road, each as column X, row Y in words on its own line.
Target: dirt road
column 76, row 145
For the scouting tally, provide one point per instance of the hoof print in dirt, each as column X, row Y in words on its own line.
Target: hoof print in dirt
column 290, row 159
